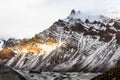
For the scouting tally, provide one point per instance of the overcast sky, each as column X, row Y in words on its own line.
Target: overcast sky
column 25, row 18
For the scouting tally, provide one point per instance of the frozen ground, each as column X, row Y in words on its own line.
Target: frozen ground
column 60, row 76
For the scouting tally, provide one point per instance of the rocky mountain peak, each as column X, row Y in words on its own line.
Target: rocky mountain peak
column 77, row 43
column 73, row 12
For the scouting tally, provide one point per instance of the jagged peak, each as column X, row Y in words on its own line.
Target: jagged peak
column 73, row 12
column 83, row 16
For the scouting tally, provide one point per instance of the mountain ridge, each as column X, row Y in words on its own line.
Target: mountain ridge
column 71, row 44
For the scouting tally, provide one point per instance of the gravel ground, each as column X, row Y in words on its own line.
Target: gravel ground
column 7, row 73
column 60, row 76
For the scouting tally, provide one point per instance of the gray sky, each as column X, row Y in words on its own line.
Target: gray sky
column 25, row 18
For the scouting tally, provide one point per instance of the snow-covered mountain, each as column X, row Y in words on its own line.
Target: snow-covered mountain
column 12, row 42
column 8, row 43
column 77, row 43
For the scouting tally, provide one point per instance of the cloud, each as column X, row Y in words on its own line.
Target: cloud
column 24, row 18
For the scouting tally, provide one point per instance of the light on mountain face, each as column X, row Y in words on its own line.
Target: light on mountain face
column 49, row 47
column 37, row 48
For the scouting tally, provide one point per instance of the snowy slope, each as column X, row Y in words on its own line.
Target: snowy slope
column 86, row 43
column 1, row 44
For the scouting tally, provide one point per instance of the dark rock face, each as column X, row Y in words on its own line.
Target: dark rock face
column 78, row 28
column 118, row 37
column 7, row 73
column 112, row 74
column 117, row 24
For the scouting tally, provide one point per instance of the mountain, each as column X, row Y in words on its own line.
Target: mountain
column 81, row 43
column 9, row 43
column 5, row 52
column 12, row 42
